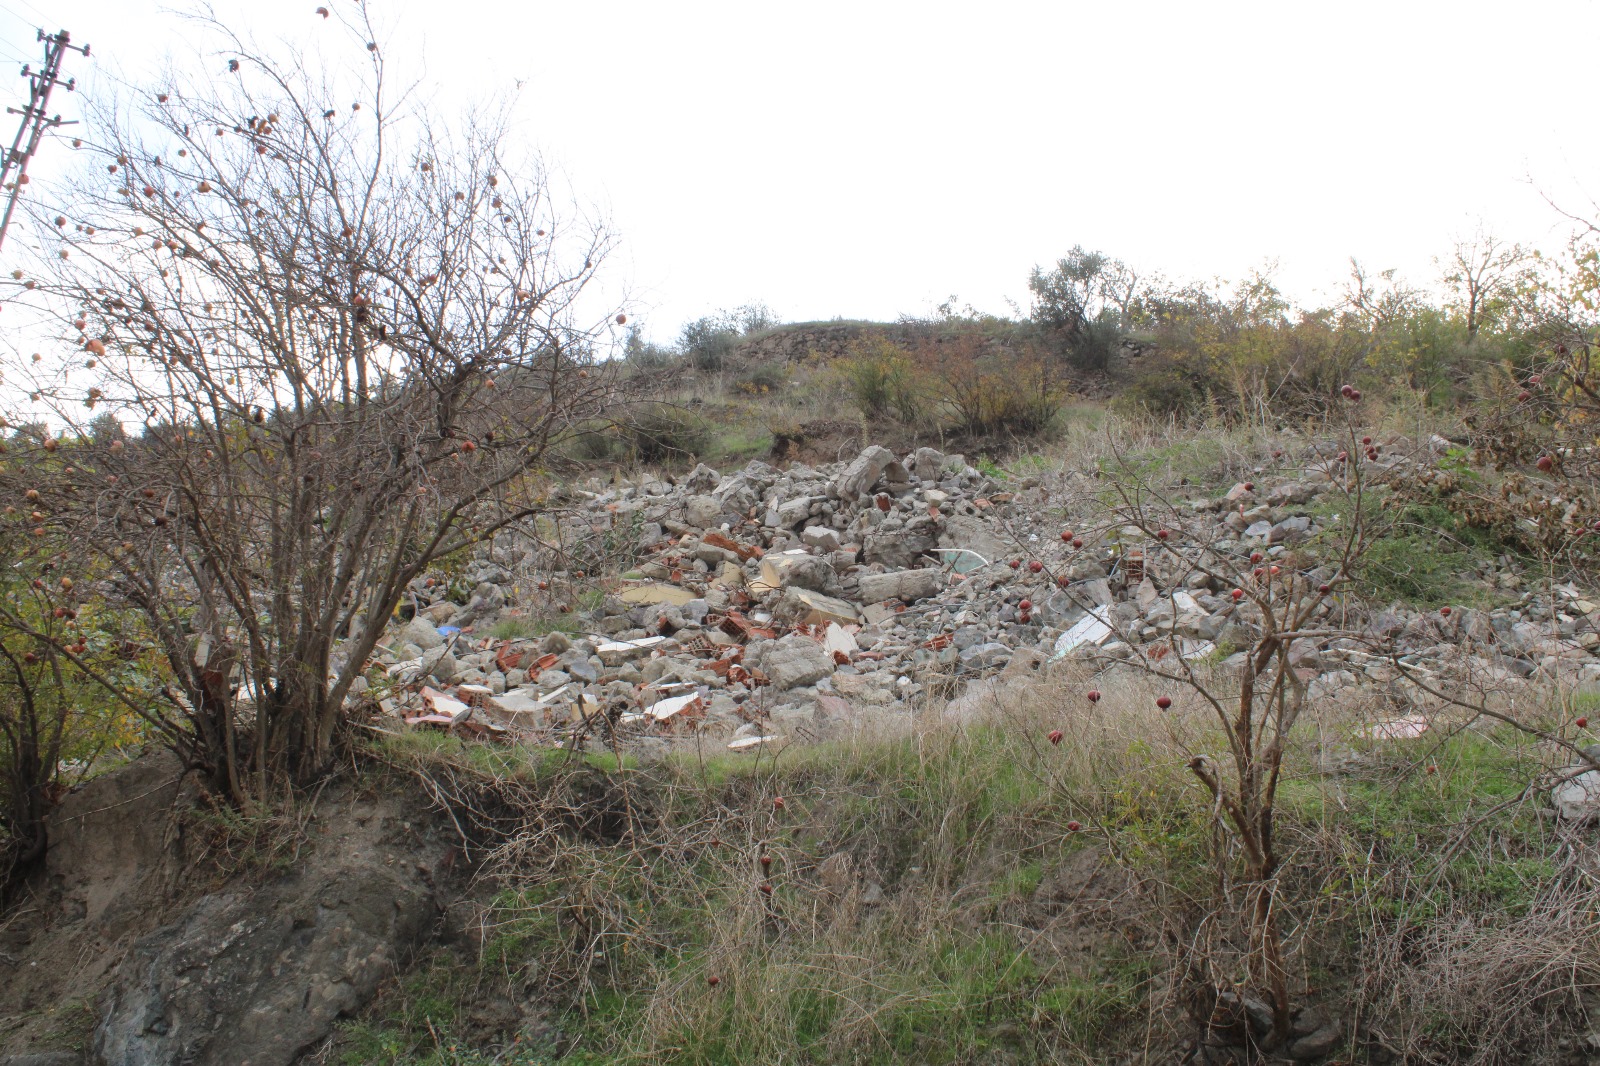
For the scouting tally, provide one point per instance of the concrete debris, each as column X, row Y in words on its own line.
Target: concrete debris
column 766, row 605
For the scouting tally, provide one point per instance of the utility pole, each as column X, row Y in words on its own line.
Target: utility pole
column 14, row 168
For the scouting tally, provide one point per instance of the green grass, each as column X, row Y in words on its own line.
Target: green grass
column 528, row 628
column 962, row 831
column 1421, row 556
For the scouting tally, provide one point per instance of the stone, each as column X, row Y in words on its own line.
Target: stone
column 985, row 656
column 1290, row 531
column 440, row 663
column 791, row 513
column 1316, row 1044
column 422, row 633
column 974, row 534
column 701, row 479
column 702, row 512
column 927, row 463
column 821, row 537
column 1578, row 800
column 862, row 473
column 907, row 586
column 898, row 548
column 261, row 973
column 791, row 661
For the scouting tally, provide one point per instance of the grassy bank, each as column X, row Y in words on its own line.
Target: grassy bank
column 923, row 897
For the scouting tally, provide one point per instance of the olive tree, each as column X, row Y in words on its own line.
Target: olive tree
column 349, row 334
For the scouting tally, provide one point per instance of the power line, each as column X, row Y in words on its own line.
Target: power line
column 14, row 168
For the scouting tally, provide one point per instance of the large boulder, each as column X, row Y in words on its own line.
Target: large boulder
column 260, row 975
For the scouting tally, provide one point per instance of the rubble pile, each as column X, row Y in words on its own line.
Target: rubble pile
column 779, row 604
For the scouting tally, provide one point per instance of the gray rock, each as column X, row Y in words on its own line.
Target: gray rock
column 927, row 463
column 420, row 632
column 1290, row 530
column 790, row 661
column 702, row 512
column 1578, row 800
column 905, row 585
column 821, row 537
column 440, row 663
column 985, row 656
column 898, row 548
column 862, row 473
column 1316, row 1044
column 260, row 975
column 701, row 479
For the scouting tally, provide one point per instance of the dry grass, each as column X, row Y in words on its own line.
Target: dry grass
column 929, row 903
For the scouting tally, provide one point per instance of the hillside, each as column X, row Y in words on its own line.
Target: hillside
column 864, row 762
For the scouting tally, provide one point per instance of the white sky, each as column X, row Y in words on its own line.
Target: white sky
column 869, row 159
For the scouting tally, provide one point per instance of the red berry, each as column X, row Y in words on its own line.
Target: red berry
column 1094, row 695
column 1256, row 557
column 1164, row 702
column 1063, row 581
column 1249, row 486
column 766, row 861
column 1277, row 453
column 1035, row 566
column 1055, row 736
column 1025, row 606
column 1355, row 394
column 1347, row 391
column 1162, row 534
column 1074, row 826
column 1016, row 564
column 1524, row 396
column 1366, row 440
column 1237, row 594
column 1545, row 463
column 1066, row 536
column 777, row 802
column 1324, row 589
column 766, row 889
column 713, row 980
column 1536, row 379
column 1445, row 611
column 1583, row 723
column 1432, row 769
column 1077, row 542
column 1276, row 570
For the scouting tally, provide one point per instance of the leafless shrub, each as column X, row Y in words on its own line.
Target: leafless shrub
column 348, row 336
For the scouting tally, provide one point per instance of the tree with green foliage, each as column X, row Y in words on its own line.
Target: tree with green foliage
column 1083, row 305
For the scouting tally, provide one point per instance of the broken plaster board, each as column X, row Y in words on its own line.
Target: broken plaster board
column 1091, row 629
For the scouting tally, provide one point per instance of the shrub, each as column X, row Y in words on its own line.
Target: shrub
column 881, row 379
column 663, row 432
column 990, row 389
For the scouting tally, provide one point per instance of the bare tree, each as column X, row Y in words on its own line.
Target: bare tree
column 349, row 335
column 1483, row 274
